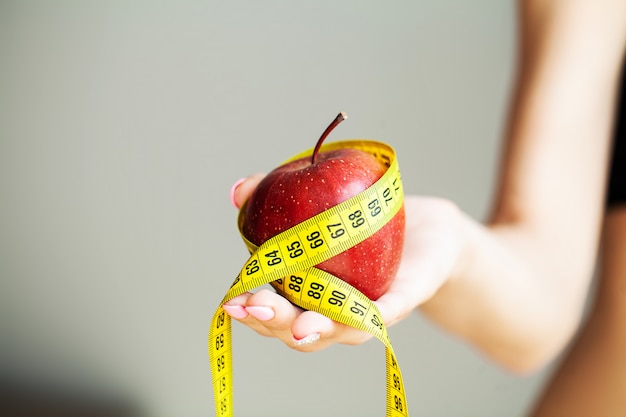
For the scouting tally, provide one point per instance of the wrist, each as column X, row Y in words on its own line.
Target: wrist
column 467, row 232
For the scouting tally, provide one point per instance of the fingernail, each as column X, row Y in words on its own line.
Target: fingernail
column 233, row 189
column 307, row 340
column 236, row 312
column 260, row 312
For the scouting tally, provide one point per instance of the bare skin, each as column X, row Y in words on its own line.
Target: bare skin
column 591, row 380
column 519, row 281
column 527, row 270
column 549, row 208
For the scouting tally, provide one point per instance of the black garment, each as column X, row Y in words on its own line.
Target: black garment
column 617, row 179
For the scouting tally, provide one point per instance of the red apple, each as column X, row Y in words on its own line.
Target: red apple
column 301, row 189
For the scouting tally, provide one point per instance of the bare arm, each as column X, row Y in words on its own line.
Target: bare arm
column 598, row 353
column 520, row 289
column 515, row 286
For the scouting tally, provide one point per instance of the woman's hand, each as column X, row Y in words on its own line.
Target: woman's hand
column 432, row 250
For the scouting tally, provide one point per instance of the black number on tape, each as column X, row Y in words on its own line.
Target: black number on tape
column 294, row 249
column 376, row 322
column 358, row 308
column 387, row 195
column 396, row 382
column 221, row 363
column 296, row 283
column 252, row 267
column 398, row 401
column 336, row 230
column 315, row 240
column 393, row 362
column 375, row 208
column 337, row 298
column 316, row 290
column 274, row 258
column 356, row 219
column 219, row 342
column 220, row 321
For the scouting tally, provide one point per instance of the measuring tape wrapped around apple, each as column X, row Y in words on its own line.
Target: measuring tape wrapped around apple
column 330, row 258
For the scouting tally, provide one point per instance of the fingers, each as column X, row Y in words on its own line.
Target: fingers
column 265, row 312
column 242, row 188
column 271, row 315
column 330, row 332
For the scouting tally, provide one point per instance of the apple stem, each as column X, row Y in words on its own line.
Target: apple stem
column 340, row 118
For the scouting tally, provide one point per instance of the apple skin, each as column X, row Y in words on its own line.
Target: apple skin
column 300, row 189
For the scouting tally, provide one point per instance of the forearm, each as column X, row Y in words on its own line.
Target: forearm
column 518, row 292
column 502, row 298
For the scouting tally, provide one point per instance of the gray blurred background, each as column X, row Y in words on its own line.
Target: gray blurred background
column 123, row 125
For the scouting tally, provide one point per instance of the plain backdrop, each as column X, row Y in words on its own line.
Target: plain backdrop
column 123, row 125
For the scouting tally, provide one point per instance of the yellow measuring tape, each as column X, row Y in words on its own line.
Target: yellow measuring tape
column 287, row 262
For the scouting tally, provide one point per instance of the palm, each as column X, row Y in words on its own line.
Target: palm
column 432, row 249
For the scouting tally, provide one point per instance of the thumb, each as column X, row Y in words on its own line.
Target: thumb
column 241, row 189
